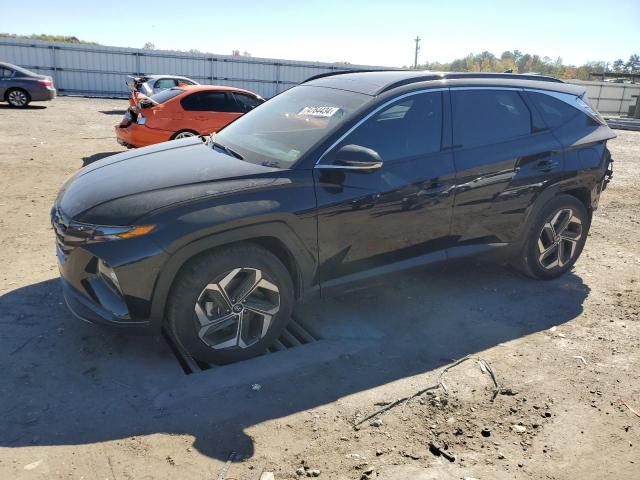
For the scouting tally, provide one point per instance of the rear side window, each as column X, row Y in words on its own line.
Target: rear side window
column 166, row 83
column 482, row 117
column 210, row 102
column 554, row 112
column 5, row 72
column 247, row 102
column 166, row 95
column 408, row 128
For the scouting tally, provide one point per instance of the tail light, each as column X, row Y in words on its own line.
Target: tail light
column 45, row 83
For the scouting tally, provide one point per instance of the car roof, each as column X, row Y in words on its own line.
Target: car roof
column 376, row 82
column 217, row 88
column 155, row 77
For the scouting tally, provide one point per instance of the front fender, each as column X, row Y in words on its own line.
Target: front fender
column 305, row 260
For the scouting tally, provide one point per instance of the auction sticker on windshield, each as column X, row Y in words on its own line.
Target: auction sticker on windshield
column 319, row 111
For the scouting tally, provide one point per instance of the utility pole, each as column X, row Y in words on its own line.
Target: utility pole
column 415, row 61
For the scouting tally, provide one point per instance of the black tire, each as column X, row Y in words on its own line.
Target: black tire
column 17, row 97
column 208, row 268
column 530, row 260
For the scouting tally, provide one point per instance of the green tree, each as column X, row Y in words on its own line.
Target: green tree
column 633, row 64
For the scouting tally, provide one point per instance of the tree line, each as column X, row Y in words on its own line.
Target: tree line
column 519, row 62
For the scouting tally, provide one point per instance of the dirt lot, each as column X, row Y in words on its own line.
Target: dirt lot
column 78, row 401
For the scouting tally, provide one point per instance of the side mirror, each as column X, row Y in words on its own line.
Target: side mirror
column 357, row 157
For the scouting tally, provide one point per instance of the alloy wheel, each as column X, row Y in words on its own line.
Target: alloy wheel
column 17, row 98
column 558, row 240
column 236, row 310
column 184, row 135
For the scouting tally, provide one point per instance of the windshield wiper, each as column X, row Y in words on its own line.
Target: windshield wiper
column 225, row 149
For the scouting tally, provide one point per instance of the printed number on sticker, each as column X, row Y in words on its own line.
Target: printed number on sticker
column 319, row 111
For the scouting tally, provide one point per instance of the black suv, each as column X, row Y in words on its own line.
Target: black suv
column 345, row 177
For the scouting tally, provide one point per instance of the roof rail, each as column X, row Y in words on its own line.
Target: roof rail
column 457, row 75
column 438, row 75
column 342, row 72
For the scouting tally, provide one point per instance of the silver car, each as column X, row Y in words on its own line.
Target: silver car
column 151, row 84
column 19, row 86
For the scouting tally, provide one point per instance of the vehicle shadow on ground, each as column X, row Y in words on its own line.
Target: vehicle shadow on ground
column 28, row 107
column 113, row 112
column 96, row 156
column 70, row 383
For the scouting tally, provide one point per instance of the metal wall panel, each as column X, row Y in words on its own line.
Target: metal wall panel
column 100, row 70
column 611, row 98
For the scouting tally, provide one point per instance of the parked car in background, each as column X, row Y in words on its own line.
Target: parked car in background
column 148, row 85
column 334, row 182
column 184, row 111
column 19, row 86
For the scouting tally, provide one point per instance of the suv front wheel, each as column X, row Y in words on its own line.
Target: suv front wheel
column 555, row 239
column 230, row 304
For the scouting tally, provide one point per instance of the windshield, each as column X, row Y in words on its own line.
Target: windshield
column 280, row 131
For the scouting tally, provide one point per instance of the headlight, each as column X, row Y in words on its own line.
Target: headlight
column 141, row 120
column 85, row 233
column 113, row 233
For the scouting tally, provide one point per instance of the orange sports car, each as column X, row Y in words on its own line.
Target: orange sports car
column 183, row 111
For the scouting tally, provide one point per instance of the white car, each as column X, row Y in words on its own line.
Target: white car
column 151, row 84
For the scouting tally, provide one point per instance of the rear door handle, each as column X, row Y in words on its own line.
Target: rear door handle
column 547, row 165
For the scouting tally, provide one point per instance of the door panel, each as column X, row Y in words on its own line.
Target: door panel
column 497, row 177
column 397, row 214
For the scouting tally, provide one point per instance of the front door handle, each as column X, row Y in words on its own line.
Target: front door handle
column 547, row 165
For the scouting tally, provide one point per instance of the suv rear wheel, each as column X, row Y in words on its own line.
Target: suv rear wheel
column 230, row 304
column 556, row 238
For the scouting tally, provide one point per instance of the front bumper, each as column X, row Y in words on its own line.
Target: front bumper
column 134, row 135
column 92, row 296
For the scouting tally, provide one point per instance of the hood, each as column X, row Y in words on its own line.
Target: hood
column 121, row 188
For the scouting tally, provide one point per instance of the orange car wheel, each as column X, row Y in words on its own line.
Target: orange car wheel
column 184, row 134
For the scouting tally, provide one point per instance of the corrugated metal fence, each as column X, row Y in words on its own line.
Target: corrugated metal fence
column 611, row 98
column 99, row 70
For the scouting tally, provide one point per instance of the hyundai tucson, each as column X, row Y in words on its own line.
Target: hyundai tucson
column 346, row 177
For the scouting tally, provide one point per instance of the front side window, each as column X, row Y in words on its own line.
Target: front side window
column 290, row 124
column 209, row 102
column 247, row 102
column 408, row 128
column 483, row 117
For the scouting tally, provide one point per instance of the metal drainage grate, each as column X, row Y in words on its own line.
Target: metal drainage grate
column 294, row 335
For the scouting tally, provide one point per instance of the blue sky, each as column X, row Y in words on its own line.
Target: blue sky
column 366, row 32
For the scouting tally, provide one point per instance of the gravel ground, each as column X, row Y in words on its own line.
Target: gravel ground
column 78, row 401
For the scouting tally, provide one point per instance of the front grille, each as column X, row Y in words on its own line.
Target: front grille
column 68, row 234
